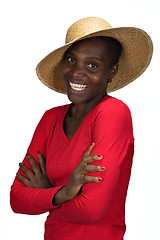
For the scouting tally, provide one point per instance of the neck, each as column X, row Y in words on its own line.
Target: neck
column 79, row 110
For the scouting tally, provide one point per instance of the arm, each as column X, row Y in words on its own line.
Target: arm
column 79, row 177
column 29, row 200
column 113, row 140
column 33, row 193
column 37, row 177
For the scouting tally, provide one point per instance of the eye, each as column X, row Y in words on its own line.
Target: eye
column 71, row 59
column 92, row 65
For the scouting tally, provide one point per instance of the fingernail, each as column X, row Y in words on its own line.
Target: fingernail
column 100, row 157
column 103, row 168
column 92, row 144
column 100, row 179
column 18, row 174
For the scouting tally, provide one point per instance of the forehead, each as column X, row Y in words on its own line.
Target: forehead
column 92, row 46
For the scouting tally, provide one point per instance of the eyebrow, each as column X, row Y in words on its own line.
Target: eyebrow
column 90, row 58
column 93, row 57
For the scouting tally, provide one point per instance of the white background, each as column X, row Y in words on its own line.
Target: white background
column 29, row 31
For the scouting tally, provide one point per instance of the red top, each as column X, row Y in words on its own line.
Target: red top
column 99, row 211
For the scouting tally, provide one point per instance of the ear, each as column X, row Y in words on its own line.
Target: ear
column 113, row 71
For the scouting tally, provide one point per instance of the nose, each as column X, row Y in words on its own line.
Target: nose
column 77, row 70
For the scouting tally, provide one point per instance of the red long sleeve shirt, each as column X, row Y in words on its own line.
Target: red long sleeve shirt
column 98, row 212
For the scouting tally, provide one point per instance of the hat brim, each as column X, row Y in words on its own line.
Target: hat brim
column 136, row 55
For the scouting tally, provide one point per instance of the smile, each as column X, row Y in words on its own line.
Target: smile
column 77, row 87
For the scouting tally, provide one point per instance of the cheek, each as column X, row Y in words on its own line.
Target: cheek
column 64, row 69
column 99, row 79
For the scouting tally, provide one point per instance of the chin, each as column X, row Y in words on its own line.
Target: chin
column 77, row 96
column 75, row 99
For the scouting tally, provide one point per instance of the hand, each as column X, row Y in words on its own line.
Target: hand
column 79, row 177
column 38, row 177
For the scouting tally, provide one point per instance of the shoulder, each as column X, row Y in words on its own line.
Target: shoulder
column 51, row 115
column 114, row 115
column 113, row 108
column 55, row 111
column 112, row 104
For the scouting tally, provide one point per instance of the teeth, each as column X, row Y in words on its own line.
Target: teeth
column 77, row 87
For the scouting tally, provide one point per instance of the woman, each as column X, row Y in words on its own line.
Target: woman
column 79, row 161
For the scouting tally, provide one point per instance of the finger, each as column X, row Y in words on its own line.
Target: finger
column 89, row 159
column 26, row 170
column 90, row 179
column 42, row 162
column 24, row 180
column 93, row 168
column 89, row 150
column 33, row 164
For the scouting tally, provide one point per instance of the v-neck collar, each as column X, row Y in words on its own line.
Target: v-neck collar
column 80, row 126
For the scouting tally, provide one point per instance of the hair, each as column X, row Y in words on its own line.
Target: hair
column 113, row 49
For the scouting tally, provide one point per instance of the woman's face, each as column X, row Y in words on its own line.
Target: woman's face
column 86, row 70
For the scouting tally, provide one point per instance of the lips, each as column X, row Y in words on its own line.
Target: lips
column 77, row 86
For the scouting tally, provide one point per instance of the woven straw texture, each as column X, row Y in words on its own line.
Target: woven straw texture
column 137, row 53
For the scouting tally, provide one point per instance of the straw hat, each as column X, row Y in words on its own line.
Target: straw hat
column 137, row 52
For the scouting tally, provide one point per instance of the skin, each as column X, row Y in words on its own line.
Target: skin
column 85, row 63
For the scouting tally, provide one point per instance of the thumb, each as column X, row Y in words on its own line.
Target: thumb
column 89, row 150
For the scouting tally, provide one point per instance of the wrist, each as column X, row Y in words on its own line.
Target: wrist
column 60, row 197
column 71, row 190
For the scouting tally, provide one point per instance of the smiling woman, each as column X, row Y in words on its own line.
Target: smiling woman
column 87, row 68
column 79, row 161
